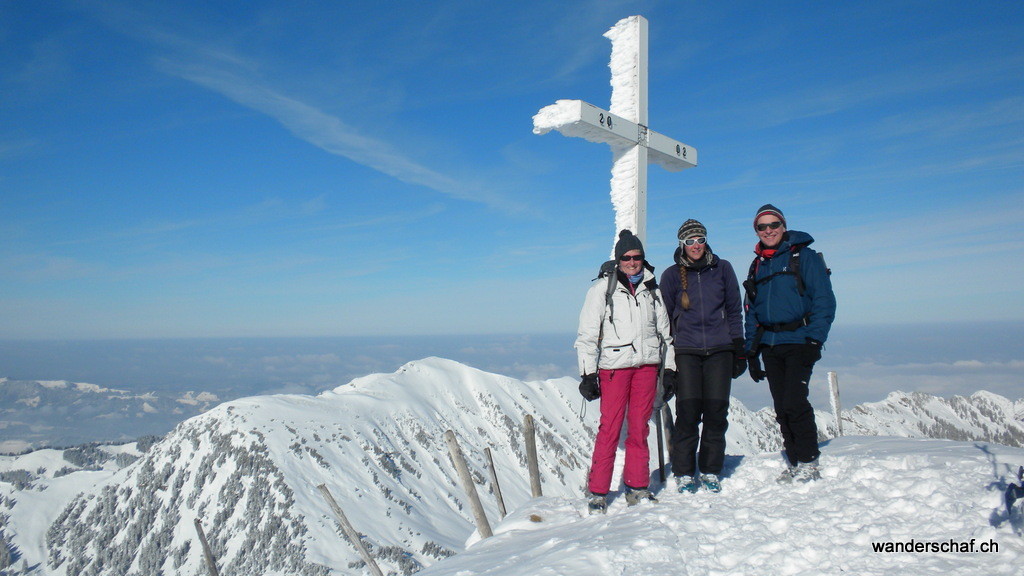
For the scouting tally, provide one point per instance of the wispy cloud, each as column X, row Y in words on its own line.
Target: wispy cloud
column 17, row 147
column 38, row 266
column 46, row 68
column 328, row 132
column 266, row 211
column 956, row 121
column 230, row 73
column 776, row 103
column 392, row 218
column 979, row 230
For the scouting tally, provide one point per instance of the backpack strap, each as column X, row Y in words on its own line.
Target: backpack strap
column 607, row 270
column 793, row 268
column 652, row 284
column 750, row 285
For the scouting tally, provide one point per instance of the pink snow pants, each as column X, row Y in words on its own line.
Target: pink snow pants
column 626, row 393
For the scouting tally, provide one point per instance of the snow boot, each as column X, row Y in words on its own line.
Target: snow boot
column 1013, row 494
column 686, row 484
column 807, row 471
column 711, row 483
column 787, row 475
column 598, row 504
column 635, row 496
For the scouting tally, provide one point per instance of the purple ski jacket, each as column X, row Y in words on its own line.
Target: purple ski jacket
column 714, row 321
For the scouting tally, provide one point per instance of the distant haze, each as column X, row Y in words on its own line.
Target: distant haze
column 871, row 361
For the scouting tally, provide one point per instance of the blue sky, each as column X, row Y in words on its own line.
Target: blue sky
column 194, row 169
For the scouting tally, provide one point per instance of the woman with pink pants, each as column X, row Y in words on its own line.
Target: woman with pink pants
column 619, row 347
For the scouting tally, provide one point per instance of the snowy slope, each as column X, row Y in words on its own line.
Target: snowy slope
column 875, row 490
column 249, row 470
column 36, row 487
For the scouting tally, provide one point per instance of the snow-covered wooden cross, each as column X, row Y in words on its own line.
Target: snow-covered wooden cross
column 624, row 127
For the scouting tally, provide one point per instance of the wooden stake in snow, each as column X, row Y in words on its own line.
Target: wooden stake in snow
column 623, row 127
column 494, row 482
column 482, row 525
column 353, row 536
column 833, row 386
column 211, row 566
column 530, row 432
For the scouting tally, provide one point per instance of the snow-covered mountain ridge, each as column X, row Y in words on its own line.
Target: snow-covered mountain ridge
column 248, row 470
column 981, row 416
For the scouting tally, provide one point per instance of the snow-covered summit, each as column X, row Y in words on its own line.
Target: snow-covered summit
column 879, row 496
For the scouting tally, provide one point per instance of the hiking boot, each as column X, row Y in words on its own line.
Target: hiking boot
column 635, row 496
column 711, row 483
column 807, row 471
column 686, row 484
column 787, row 475
column 598, row 504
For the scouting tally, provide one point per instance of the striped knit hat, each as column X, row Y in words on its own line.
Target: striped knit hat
column 691, row 228
column 768, row 209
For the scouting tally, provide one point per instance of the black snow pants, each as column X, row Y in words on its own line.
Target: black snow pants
column 788, row 374
column 702, row 396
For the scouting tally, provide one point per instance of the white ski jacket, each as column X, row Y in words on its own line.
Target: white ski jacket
column 627, row 335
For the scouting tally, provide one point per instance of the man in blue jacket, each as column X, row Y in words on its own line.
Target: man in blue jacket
column 789, row 308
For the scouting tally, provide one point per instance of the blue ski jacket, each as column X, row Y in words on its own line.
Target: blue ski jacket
column 778, row 300
column 715, row 317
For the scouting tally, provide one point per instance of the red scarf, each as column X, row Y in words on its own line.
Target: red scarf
column 763, row 251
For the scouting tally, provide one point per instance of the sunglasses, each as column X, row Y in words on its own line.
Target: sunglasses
column 692, row 241
column 772, row 225
column 636, row 258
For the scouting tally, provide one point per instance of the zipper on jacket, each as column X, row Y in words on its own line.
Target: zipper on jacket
column 703, row 328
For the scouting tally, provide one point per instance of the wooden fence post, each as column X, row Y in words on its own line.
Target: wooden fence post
column 482, row 525
column 833, row 385
column 346, row 526
column 494, row 482
column 530, row 431
column 211, row 566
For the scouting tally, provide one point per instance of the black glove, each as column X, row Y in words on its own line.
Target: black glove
column 739, row 358
column 811, row 351
column 755, row 368
column 668, row 382
column 589, row 387
column 739, row 366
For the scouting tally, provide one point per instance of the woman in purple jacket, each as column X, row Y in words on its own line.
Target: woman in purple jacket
column 702, row 298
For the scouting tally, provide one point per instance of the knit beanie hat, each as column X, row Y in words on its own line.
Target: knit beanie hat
column 626, row 243
column 691, row 228
column 769, row 209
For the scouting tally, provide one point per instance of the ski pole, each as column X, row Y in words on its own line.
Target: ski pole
column 661, row 449
column 659, row 402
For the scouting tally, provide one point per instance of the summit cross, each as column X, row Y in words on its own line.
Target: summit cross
column 623, row 127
